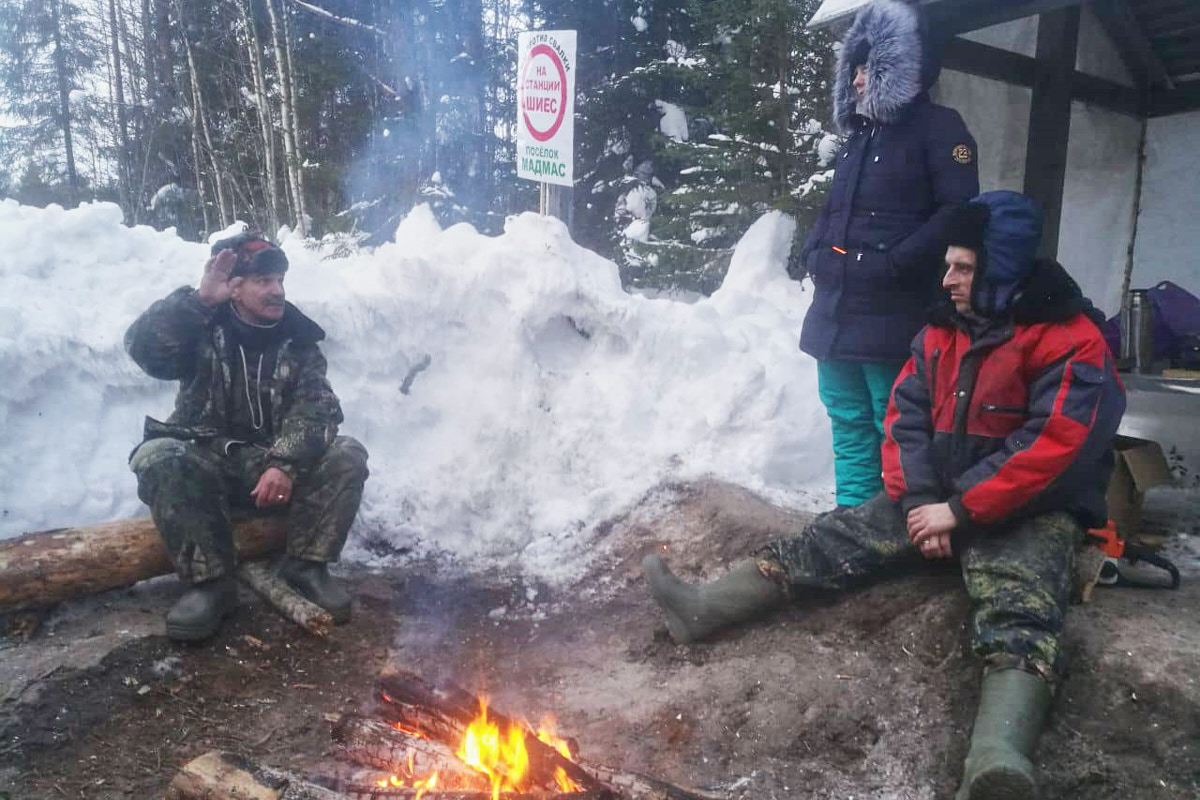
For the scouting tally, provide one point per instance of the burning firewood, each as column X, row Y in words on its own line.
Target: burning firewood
column 376, row 744
column 444, row 713
column 285, row 599
column 224, row 776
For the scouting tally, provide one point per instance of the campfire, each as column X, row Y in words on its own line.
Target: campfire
column 494, row 750
column 432, row 742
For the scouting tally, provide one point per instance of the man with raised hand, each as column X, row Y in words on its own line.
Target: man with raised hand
column 997, row 453
column 255, row 427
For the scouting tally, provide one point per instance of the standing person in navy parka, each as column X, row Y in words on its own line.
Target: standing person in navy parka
column 875, row 253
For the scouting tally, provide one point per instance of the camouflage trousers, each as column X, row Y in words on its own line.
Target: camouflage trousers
column 1018, row 578
column 191, row 490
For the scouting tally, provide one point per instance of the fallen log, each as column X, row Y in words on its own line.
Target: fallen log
column 443, row 712
column 376, row 744
column 284, row 599
column 41, row 569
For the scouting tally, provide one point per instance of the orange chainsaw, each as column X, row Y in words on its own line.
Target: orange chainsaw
column 1115, row 548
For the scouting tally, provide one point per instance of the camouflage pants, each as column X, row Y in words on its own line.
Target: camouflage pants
column 1019, row 579
column 191, row 490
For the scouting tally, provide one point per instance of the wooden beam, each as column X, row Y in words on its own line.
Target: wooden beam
column 952, row 17
column 1185, row 29
column 1148, row 7
column 1184, row 68
column 1183, row 98
column 1050, row 119
column 1015, row 69
column 1106, row 94
column 1179, row 21
column 1133, row 46
column 986, row 61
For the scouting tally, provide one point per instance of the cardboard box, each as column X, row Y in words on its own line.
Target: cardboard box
column 1140, row 466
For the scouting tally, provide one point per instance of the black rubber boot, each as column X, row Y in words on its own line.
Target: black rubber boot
column 1012, row 710
column 312, row 579
column 198, row 614
column 694, row 612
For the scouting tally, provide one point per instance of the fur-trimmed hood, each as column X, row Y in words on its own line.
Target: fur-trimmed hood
column 898, row 67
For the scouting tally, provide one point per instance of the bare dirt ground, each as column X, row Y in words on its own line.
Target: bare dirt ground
column 869, row 696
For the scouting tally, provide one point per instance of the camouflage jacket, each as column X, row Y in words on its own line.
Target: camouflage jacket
column 180, row 339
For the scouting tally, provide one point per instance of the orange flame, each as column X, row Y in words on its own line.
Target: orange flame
column 502, row 758
column 548, row 733
column 499, row 755
column 396, row 782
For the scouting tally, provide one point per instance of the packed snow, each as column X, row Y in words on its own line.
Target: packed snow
column 551, row 399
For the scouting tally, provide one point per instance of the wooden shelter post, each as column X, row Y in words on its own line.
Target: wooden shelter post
column 1050, row 118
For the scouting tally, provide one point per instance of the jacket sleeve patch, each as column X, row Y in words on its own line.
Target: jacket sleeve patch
column 962, row 154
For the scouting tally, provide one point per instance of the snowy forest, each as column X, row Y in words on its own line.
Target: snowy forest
column 335, row 117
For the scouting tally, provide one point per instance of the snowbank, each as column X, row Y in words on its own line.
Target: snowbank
column 552, row 399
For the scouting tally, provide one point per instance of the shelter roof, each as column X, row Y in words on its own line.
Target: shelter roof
column 1158, row 40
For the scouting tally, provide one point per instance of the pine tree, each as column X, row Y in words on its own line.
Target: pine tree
column 758, row 100
column 46, row 52
column 625, row 63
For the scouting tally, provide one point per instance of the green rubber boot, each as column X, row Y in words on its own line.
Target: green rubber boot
column 1012, row 711
column 198, row 613
column 694, row 612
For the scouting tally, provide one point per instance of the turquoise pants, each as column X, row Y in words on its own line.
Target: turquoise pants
column 856, row 398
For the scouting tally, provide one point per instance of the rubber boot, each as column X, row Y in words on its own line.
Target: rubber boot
column 1012, row 710
column 694, row 612
column 312, row 579
column 198, row 613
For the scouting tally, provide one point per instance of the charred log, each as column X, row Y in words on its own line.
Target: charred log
column 377, row 744
column 225, row 776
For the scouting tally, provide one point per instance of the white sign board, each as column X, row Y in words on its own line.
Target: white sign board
column 546, row 106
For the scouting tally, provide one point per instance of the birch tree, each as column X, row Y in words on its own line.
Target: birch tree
column 266, row 123
column 288, row 116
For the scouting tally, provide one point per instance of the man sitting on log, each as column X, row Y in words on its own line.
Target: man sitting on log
column 255, row 426
column 997, row 452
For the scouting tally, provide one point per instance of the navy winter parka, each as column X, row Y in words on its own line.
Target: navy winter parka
column 876, row 252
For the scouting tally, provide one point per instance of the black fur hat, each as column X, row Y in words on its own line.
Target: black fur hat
column 967, row 225
column 256, row 255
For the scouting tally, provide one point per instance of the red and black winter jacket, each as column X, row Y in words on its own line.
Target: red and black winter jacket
column 1010, row 417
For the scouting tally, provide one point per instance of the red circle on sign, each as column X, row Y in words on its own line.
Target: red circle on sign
column 546, row 50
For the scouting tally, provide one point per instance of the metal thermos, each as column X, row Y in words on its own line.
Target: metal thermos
column 1137, row 331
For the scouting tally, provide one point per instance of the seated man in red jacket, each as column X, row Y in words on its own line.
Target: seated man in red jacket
column 997, row 453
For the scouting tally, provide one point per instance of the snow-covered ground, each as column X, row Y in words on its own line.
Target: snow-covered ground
column 552, row 400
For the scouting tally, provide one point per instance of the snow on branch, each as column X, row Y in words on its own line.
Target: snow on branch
column 348, row 21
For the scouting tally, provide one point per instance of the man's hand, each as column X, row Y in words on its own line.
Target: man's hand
column 215, row 285
column 274, row 488
column 929, row 528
